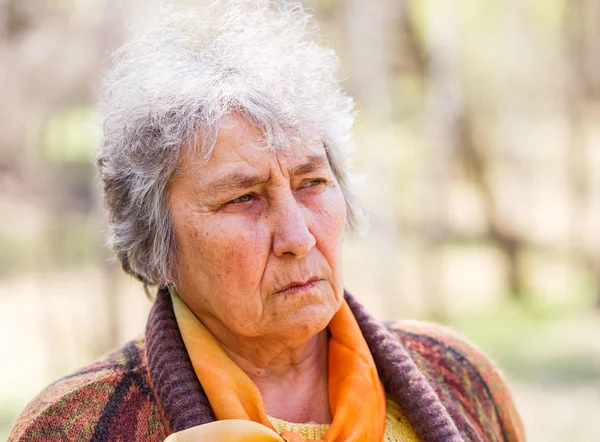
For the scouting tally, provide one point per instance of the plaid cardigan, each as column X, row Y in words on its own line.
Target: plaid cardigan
column 146, row 390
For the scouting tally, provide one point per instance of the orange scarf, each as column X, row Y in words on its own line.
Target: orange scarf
column 356, row 395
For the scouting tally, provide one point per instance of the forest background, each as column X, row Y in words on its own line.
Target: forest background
column 479, row 138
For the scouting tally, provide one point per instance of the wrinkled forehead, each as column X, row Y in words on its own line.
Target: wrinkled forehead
column 239, row 143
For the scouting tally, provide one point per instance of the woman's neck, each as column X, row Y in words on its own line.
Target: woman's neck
column 293, row 382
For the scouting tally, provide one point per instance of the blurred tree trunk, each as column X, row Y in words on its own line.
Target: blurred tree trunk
column 367, row 24
column 593, row 76
column 444, row 111
column 581, row 29
column 477, row 164
column 3, row 18
column 109, row 32
column 591, row 61
column 367, row 28
column 470, row 152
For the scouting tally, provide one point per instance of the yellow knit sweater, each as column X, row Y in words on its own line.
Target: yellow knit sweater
column 397, row 428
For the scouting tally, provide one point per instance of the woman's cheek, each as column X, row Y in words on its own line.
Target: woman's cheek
column 248, row 250
column 330, row 210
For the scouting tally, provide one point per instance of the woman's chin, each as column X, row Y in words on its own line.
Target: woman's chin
column 306, row 321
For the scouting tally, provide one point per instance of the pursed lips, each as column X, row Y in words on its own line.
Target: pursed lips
column 296, row 287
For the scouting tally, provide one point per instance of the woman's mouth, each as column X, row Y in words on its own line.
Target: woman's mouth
column 296, row 288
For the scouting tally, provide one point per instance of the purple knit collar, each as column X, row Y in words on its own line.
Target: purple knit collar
column 185, row 405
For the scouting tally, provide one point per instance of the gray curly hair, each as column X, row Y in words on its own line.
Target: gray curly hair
column 172, row 84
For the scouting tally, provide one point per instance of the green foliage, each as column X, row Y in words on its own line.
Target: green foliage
column 72, row 135
column 537, row 340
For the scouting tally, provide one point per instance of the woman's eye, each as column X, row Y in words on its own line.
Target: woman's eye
column 312, row 183
column 243, row 199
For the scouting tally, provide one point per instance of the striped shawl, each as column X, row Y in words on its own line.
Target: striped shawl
column 146, row 390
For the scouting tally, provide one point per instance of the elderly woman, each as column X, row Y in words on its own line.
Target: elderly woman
column 224, row 165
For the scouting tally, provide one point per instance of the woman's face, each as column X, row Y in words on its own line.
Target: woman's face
column 259, row 237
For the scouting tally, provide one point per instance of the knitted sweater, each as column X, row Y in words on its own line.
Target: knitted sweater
column 397, row 427
column 449, row 391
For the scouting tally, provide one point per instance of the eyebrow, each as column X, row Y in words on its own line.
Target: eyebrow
column 237, row 181
column 312, row 164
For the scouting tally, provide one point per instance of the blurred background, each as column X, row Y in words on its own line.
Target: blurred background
column 478, row 136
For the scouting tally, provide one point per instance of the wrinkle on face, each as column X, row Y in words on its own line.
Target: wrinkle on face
column 228, row 271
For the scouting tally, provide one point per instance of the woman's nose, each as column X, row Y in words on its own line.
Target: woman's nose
column 291, row 233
